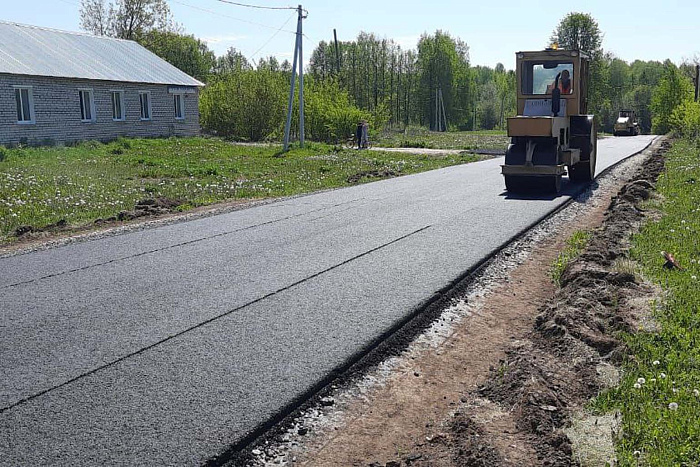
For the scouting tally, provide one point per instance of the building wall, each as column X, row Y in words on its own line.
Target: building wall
column 58, row 119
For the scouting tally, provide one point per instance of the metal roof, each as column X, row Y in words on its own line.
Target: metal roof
column 35, row 51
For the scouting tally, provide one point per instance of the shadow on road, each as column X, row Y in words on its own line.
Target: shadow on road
column 567, row 189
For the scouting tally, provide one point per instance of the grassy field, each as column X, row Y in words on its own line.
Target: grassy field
column 419, row 137
column 659, row 396
column 43, row 186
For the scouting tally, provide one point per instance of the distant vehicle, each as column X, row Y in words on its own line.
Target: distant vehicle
column 626, row 124
column 552, row 133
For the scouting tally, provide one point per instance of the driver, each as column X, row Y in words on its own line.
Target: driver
column 565, row 82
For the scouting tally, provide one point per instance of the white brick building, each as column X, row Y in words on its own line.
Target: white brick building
column 60, row 87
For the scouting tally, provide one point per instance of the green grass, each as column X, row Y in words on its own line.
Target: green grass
column 40, row 186
column 574, row 246
column 419, row 137
column 669, row 360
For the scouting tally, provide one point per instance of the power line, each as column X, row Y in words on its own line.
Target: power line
column 273, row 36
column 229, row 17
column 258, row 6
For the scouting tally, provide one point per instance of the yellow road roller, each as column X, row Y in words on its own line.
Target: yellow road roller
column 552, row 134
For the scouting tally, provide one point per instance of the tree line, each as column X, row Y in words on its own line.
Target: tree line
column 375, row 79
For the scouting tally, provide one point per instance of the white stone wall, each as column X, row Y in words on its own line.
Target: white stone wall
column 57, row 111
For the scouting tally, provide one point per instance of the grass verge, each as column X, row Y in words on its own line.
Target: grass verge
column 419, row 137
column 574, row 247
column 659, row 396
column 40, row 187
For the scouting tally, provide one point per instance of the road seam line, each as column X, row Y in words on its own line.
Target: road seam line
column 189, row 242
column 208, row 321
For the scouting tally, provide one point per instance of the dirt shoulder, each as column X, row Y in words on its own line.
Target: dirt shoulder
column 497, row 379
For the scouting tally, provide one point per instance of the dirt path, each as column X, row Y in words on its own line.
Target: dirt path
column 484, row 385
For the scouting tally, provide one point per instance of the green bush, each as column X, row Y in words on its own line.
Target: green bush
column 245, row 106
column 685, row 120
column 330, row 116
column 251, row 105
column 673, row 90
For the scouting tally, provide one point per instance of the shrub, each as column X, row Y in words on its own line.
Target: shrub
column 329, row 114
column 247, row 105
column 685, row 120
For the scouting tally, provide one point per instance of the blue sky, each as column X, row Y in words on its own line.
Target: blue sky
column 637, row 29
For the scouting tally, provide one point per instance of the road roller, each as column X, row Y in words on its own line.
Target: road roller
column 552, row 134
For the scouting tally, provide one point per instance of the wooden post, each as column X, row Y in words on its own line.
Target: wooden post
column 697, row 81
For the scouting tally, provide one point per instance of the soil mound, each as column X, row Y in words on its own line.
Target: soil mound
column 545, row 378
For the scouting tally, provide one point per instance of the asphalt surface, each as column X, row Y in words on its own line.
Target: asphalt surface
column 166, row 346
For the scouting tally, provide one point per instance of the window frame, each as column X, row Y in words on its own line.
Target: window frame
column 30, row 99
column 120, row 93
column 181, row 97
column 93, row 113
column 527, row 77
column 150, row 109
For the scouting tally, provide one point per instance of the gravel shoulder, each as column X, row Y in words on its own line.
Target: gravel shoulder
column 499, row 376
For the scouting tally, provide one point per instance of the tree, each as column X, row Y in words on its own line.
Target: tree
column 233, row 61
column 442, row 59
column 95, row 17
column 579, row 31
column 673, row 90
column 187, row 53
column 126, row 19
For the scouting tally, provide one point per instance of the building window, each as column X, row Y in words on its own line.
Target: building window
column 179, row 101
column 87, row 105
column 145, row 100
column 25, row 104
column 118, row 114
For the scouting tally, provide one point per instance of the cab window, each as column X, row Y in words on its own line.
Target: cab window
column 538, row 77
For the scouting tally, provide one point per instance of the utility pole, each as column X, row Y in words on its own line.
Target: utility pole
column 337, row 54
column 437, row 112
column 442, row 107
column 301, row 79
column 298, row 53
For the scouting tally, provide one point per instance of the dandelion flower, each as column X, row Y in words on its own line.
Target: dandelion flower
column 637, row 386
column 641, row 380
column 673, row 406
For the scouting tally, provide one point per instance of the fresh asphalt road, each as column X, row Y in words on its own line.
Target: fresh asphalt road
column 166, row 346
